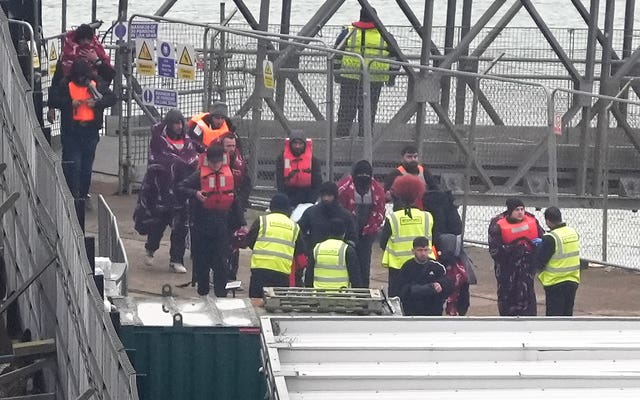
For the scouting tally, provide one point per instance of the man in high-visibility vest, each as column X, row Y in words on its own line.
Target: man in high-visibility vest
column 334, row 263
column 558, row 259
column 275, row 240
column 364, row 38
column 402, row 226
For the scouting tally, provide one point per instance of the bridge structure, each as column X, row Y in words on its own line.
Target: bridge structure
column 485, row 119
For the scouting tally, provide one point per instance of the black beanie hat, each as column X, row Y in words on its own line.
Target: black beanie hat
column 280, row 202
column 328, row 188
column 172, row 116
column 362, row 167
column 513, row 203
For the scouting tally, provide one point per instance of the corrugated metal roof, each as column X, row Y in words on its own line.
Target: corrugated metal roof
column 451, row 358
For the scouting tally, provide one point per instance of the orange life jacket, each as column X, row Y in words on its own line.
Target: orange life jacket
column 301, row 164
column 83, row 113
column 209, row 134
column 527, row 228
column 418, row 202
column 218, row 185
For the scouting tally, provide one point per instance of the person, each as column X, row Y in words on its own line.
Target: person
column 82, row 97
column 360, row 194
column 242, row 183
column 215, row 212
column 423, row 285
column 409, row 165
column 81, row 43
column 172, row 158
column 510, row 245
column 402, row 226
column 298, row 172
column 558, row 260
column 315, row 222
column 209, row 127
column 449, row 249
column 334, row 263
column 275, row 240
column 361, row 37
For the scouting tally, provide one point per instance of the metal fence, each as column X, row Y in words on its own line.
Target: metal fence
column 110, row 245
column 63, row 303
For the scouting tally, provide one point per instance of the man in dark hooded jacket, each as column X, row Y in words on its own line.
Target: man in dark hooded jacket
column 298, row 172
column 360, row 194
column 315, row 223
column 172, row 157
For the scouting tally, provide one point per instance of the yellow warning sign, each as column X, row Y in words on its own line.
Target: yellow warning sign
column 186, row 63
column 185, row 58
column 53, row 57
column 36, row 57
column 267, row 72
column 145, row 53
column 145, row 64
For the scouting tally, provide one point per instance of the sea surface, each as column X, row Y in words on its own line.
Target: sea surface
column 556, row 13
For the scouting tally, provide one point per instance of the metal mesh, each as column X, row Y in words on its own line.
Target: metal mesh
column 63, row 303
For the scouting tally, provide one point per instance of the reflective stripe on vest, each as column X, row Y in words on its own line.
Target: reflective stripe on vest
column 403, row 231
column 82, row 113
column 209, row 134
column 218, row 185
column 564, row 265
column 330, row 270
column 276, row 243
column 527, row 228
column 300, row 165
column 374, row 46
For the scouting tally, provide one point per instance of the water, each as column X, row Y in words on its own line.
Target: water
column 556, row 13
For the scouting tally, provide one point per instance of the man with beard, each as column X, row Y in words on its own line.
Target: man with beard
column 363, row 196
column 298, row 173
column 315, row 223
column 409, row 165
column 510, row 245
column 172, row 158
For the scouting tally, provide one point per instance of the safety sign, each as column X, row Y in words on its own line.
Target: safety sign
column 142, row 30
column 53, row 57
column 186, row 62
column 157, row 97
column 145, row 62
column 166, row 60
column 267, row 72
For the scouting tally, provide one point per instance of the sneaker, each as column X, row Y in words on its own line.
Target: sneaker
column 148, row 258
column 177, row 267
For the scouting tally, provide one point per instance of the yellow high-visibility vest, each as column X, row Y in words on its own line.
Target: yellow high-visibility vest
column 564, row 265
column 403, row 230
column 330, row 270
column 276, row 243
column 374, row 46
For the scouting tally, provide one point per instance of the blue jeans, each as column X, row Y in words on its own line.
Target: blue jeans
column 78, row 152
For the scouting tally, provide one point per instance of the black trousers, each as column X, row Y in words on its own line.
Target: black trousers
column 261, row 278
column 393, row 277
column 560, row 298
column 363, row 251
column 177, row 221
column 210, row 251
column 351, row 102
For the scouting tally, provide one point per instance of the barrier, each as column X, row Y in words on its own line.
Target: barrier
column 110, row 245
column 63, row 303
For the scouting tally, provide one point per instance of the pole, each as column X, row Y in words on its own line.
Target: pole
column 94, row 10
column 63, row 21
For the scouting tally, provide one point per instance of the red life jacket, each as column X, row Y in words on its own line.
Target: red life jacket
column 209, row 134
column 301, row 164
column 83, row 113
column 527, row 228
column 418, row 202
column 219, row 187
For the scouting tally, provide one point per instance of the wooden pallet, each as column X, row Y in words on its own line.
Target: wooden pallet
column 345, row 301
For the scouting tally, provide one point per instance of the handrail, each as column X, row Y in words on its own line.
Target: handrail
column 32, row 39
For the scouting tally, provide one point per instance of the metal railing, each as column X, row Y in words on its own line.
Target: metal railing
column 42, row 225
column 110, row 245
